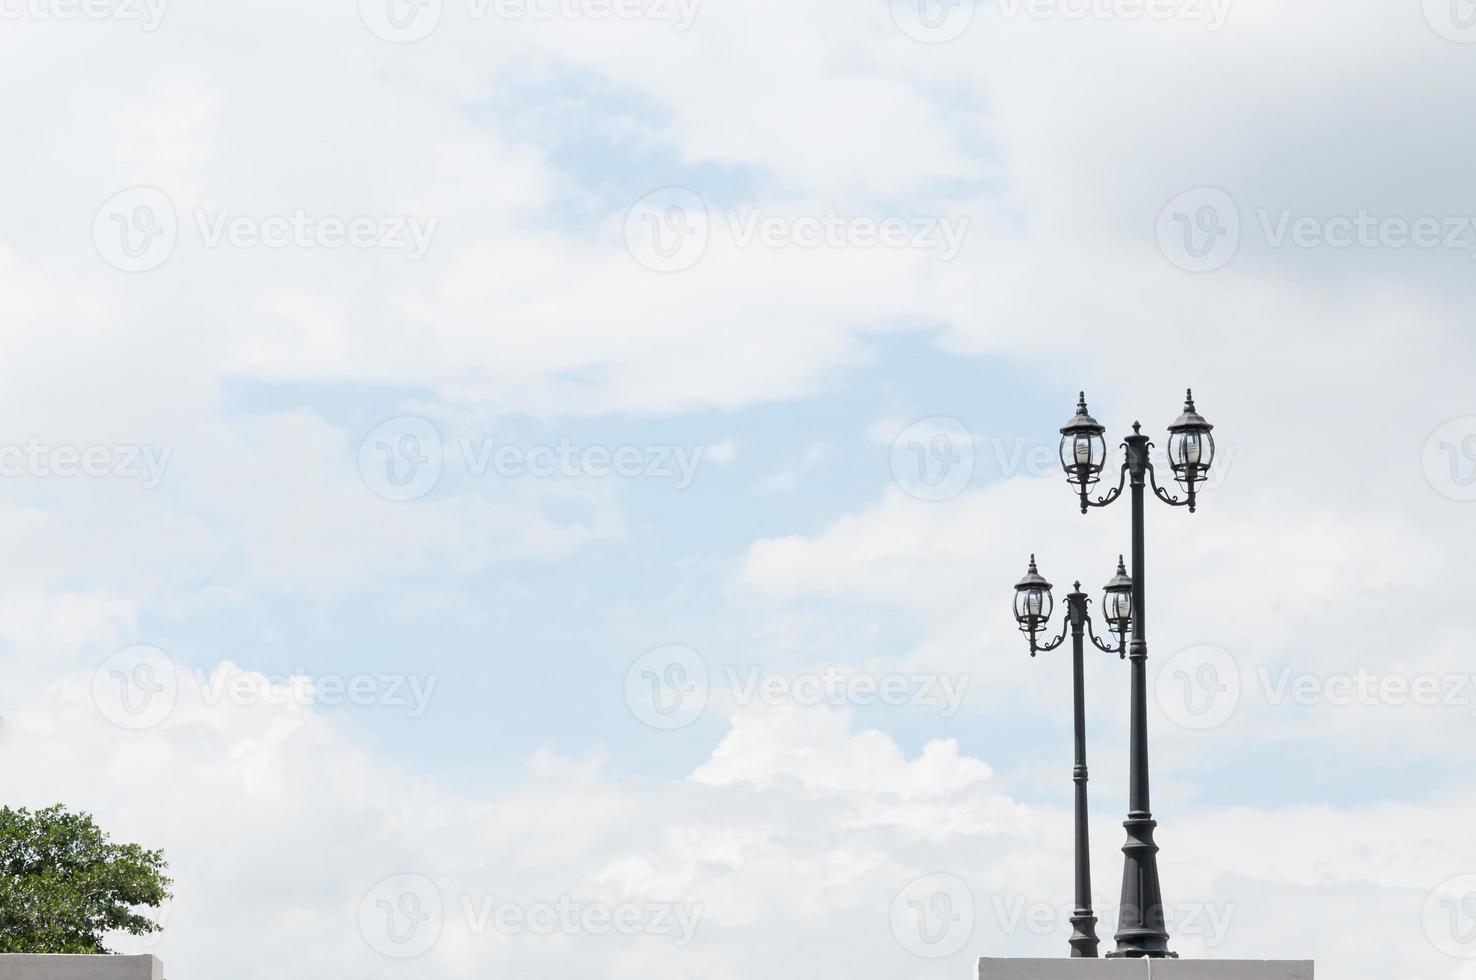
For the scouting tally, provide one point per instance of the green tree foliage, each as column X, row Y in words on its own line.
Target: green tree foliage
column 64, row 885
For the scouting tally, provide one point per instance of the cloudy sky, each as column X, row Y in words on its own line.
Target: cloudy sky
column 532, row 488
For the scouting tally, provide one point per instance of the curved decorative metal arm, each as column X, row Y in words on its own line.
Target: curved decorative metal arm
column 1036, row 648
column 1171, row 499
column 1108, row 497
column 1120, row 649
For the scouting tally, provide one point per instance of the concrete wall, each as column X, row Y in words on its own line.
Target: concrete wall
column 28, row 966
column 1143, row 969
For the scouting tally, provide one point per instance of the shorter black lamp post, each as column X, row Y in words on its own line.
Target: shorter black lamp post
column 1033, row 605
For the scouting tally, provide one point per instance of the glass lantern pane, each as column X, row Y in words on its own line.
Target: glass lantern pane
column 1083, row 449
column 1191, row 448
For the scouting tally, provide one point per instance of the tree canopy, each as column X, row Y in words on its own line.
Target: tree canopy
column 64, row 885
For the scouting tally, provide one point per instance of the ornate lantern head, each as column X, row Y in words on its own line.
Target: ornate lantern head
column 1191, row 448
column 1083, row 450
column 1117, row 602
column 1033, row 602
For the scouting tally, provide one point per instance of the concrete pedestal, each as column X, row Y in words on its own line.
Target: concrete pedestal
column 46, row 966
column 1143, row 969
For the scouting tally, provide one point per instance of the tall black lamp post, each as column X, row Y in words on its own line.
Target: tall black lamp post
column 1140, row 927
column 1033, row 606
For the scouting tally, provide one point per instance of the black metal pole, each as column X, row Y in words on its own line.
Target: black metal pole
column 1140, row 925
column 1083, row 920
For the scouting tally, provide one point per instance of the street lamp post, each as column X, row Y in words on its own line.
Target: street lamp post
column 1033, row 606
column 1140, row 926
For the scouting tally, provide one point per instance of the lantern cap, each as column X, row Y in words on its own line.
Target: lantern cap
column 1119, row 582
column 1082, row 421
column 1033, row 579
column 1191, row 420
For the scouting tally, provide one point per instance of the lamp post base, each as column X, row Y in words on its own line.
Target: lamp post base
column 1084, row 935
column 1138, row 968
